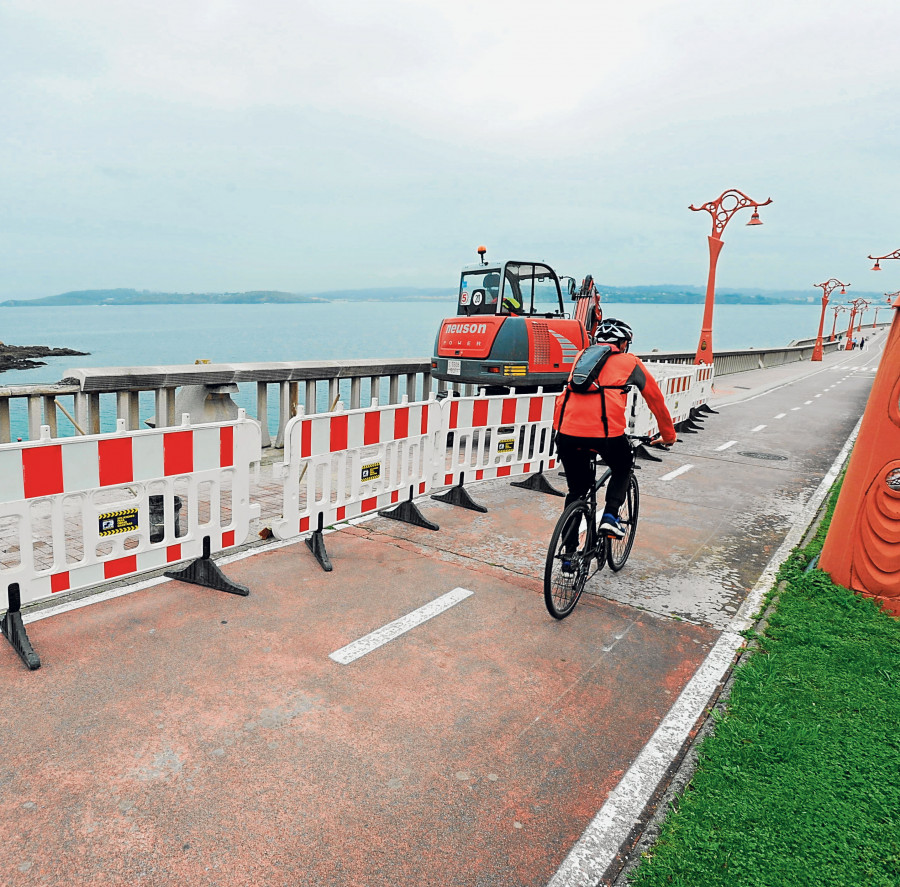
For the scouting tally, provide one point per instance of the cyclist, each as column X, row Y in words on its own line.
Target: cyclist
column 595, row 422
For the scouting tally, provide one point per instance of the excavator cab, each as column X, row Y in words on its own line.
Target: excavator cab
column 511, row 329
column 520, row 288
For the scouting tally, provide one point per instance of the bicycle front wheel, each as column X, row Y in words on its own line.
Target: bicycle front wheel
column 617, row 550
column 568, row 560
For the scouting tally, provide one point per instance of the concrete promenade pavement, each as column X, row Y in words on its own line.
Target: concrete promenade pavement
column 414, row 717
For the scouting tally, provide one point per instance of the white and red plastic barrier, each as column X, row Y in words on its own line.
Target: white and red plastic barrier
column 75, row 512
column 685, row 388
column 345, row 464
column 704, row 383
column 494, row 436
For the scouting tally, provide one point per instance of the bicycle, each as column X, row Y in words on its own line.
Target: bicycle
column 577, row 541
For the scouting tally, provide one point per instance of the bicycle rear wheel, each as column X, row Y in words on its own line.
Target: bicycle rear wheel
column 568, row 560
column 617, row 550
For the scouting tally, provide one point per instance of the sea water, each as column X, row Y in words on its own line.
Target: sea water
column 159, row 335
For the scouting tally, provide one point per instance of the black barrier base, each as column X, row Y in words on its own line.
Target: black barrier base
column 316, row 544
column 409, row 513
column 204, row 571
column 706, row 408
column 14, row 630
column 459, row 495
column 684, row 428
column 538, row 483
column 641, row 452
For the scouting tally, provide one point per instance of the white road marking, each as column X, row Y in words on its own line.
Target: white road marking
column 806, row 403
column 818, row 395
column 758, row 428
column 381, row 636
column 796, row 408
column 596, row 849
column 725, row 446
column 780, row 415
column 676, row 472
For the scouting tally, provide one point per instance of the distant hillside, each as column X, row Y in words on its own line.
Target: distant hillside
column 255, row 297
column 672, row 294
column 681, row 294
column 143, row 297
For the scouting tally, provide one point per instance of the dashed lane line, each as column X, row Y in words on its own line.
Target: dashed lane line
column 678, row 471
column 806, row 403
column 780, row 416
column 726, row 445
column 392, row 630
column 758, row 428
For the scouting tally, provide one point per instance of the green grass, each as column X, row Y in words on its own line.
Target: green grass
column 798, row 784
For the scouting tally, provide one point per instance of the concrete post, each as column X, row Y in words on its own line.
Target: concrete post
column 5, row 429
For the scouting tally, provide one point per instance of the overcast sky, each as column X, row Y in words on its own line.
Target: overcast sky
column 227, row 146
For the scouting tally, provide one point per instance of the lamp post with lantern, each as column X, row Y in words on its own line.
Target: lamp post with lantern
column 864, row 305
column 721, row 210
column 827, row 288
column 889, row 298
column 837, row 309
column 854, row 307
column 894, row 255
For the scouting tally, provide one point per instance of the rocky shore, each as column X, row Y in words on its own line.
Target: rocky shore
column 26, row 357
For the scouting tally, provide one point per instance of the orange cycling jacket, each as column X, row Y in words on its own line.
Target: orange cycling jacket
column 601, row 411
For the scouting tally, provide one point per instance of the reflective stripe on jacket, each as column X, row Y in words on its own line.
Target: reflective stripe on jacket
column 584, row 413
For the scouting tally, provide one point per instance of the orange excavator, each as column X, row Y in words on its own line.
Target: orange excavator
column 512, row 329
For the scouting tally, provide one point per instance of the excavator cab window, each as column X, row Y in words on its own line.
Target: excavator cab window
column 530, row 289
column 479, row 292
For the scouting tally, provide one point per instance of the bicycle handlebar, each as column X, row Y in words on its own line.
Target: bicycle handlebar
column 652, row 440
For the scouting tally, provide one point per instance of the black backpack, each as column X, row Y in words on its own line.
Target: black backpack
column 587, row 368
column 584, row 374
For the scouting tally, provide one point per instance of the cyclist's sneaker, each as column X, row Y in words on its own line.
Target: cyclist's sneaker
column 612, row 526
column 569, row 567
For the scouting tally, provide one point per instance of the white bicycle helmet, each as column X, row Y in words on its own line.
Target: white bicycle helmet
column 611, row 330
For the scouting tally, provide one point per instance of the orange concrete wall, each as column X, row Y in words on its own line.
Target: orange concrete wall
column 862, row 550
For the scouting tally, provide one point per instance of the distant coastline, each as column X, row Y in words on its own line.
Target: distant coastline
column 667, row 294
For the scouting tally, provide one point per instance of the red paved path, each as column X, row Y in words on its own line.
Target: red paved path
column 179, row 736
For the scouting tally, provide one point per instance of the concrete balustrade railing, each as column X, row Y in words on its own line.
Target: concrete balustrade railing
column 140, row 395
column 728, row 362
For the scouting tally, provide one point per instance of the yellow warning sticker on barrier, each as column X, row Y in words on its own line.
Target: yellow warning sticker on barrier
column 372, row 471
column 114, row 522
column 507, row 445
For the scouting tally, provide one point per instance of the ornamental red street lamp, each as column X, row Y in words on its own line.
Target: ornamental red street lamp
column 889, row 298
column 827, row 289
column 721, row 210
column 864, row 306
column 854, row 305
column 894, row 255
column 837, row 309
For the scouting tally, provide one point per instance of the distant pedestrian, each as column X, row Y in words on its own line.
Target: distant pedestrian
column 862, row 343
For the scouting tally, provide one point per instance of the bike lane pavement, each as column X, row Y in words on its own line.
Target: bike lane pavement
column 180, row 736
